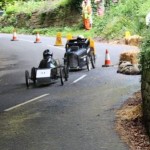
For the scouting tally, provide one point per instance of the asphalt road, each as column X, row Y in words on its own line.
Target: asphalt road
column 77, row 116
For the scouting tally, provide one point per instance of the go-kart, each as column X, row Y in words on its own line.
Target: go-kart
column 79, row 54
column 48, row 71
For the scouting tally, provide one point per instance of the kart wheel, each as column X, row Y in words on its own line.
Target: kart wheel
column 27, row 80
column 33, row 75
column 88, row 63
column 66, row 72
column 93, row 61
column 61, row 77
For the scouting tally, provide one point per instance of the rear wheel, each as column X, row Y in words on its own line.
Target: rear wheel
column 27, row 80
column 33, row 75
column 66, row 72
column 61, row 77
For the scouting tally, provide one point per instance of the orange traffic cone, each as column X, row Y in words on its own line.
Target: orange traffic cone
column 14, row 38
column 107, row 60
column 37, row 40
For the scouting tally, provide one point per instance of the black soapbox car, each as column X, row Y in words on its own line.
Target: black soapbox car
column 48, row 71
column 79, row 54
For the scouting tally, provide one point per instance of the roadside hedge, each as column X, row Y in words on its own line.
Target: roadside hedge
column 145, row 79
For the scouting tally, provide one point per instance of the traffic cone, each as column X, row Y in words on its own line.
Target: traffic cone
column 37, row 40
column 69, row 37
column 107, row 60
column 58, row 40
column 14, row 38
column 127, row 34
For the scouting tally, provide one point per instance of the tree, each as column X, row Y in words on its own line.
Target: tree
column 3, row 3
column 76, row 3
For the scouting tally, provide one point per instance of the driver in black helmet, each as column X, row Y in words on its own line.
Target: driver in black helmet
column 80, row 38
column 47, row 61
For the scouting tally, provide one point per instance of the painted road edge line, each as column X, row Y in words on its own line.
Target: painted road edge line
column 62, row 48
column 83, row 76
column 29, row 101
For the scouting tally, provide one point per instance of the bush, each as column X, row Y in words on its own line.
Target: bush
column 145, row 53
column 7, row 29
column 127, row 15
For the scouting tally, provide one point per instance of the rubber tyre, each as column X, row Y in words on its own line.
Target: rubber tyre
column 33, row 75
column 27, row 80
column 61, row 77
column 93, row 61
column 88, row 63
column 66, row 72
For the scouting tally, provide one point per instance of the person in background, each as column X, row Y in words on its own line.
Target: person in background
column 87, row 14
column 100, row 7
column 148, row 20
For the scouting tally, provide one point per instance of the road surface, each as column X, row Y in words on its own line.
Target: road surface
column 77, row 116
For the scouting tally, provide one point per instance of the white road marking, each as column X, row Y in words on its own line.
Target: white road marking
column 26, row 40
column 83, row 76
column 62, row 48
column 21, row 39
column 29, row 101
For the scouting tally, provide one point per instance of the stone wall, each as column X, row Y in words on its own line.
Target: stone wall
column 58, row 17
column 145, row 89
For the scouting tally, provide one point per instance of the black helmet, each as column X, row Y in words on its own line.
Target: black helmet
column 47, row 53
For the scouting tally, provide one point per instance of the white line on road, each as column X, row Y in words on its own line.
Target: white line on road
column 26, row 40
column 62, row 48
column 21, row 39
column 79, row 78
column 29, row 101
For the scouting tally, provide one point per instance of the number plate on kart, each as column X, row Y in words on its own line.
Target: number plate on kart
column 43, row 73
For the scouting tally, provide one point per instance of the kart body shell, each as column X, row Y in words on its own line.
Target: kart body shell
column 79, row 54
column 49, row 70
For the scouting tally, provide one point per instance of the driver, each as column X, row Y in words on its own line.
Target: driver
column 83, row 42
column 80, row 38
column 47, row 61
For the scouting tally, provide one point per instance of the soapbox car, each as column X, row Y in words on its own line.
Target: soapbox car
column 79, row 54
column 49, row 70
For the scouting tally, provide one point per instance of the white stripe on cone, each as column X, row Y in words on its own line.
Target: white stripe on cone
column 37, row 40
column 107, row 60
column 107, row 57
column 14, row 38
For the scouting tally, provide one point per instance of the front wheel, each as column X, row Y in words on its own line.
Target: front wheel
column 66, row 72
column 61, row 77
column 93, row 61
column 88, row 63
column 27, row 80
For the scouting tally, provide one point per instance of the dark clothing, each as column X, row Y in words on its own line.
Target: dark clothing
column 47, row 63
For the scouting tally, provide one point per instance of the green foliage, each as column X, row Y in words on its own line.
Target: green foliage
column 127, row 15
column 4, row 3
column 6, row 29
column 24, row 7
column 145, row 53
column 64, row 30
column 19, row 6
